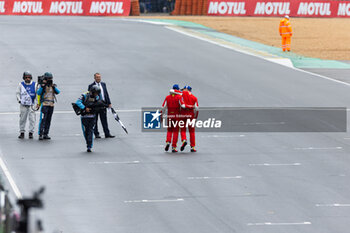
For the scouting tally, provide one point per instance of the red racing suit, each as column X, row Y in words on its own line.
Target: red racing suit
column 172, row 104
column 189, row 104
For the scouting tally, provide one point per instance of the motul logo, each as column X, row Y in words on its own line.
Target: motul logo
column 314, row 8
column 272, row 8
column 344, row 9
column 66, row 7
column 2, row 7
column 106, row 7
column 227, row 8
column 27, row 7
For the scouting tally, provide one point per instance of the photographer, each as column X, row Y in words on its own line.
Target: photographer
column 46, row 98
column 25, row 96
column 90, row 103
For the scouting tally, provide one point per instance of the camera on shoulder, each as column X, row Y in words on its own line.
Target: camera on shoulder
column 41, row 80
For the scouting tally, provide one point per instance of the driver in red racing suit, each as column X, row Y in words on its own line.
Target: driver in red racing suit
column 188, row 113
column 172, row 104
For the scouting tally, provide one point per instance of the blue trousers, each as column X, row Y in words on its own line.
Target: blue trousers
column 88, row 125
column 45, row 120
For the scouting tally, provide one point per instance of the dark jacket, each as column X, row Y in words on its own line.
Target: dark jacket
column 105, row 92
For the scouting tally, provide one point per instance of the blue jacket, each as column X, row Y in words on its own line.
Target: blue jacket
column 80, row 103
column 81, row 100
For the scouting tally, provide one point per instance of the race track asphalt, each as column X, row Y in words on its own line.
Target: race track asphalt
column 236, row 182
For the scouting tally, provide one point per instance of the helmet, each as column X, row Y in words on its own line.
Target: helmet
column 48, row 75
column 27, row 74
column 286, row 16
column 187, row 87
column 176, row 87
column 95, row 89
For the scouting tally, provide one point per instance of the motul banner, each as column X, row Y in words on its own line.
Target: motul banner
column 295, row 8
column 64, row 7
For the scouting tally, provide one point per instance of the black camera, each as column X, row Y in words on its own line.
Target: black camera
column 34, row 202
column 41, row 80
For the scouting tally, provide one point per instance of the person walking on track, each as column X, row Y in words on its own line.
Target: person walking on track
column 171, row 105
column 90, row 103
column 189, row 112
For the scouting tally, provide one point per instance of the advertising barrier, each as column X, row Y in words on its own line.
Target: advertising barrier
column 294, row 8
column 64, row 7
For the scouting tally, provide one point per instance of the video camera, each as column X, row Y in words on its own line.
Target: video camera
column 48, row 82
column 34, row 202
column 26, row 204
column 97, row 106
column 41, row 80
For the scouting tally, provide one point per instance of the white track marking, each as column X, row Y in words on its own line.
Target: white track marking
column 213, row 177
column 147, row 21
column 122, row 162
column 319, row 148
column 333, row 205
column 275, row 164
column 265, row 123
column 154, row 201
column 338, row 175
column 282, row 61
column 223, row 136
column 9, row 177
column 155, row 22
column 70, row 112
column 279, row 224
column 70, row 135
column 152, row 146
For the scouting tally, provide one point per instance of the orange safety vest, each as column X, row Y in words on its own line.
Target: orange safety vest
column 285, row 28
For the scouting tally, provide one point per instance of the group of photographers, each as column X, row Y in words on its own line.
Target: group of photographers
column 31, row 96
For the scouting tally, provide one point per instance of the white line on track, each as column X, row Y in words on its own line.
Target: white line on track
column 9, row 177
column 223, row 136
column 147, row 21
column 70, row 112
column 71, row 135
column 279, row 224
column 155, row 201
column 333, row 205
column 319, row 148
column 338, row 175
column 213, row 177
column 110, row 162
column 275, row 164
column 139, row 110
column 265, row 123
